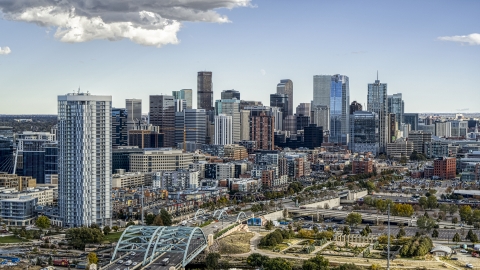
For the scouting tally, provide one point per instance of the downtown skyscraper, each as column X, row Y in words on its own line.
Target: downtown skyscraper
column 84, row 159
column 134, row 113
column 205, row 90
column 377, row 103
column 185, row 94
column 331, row 94
column 285, row 87
column 162, row 114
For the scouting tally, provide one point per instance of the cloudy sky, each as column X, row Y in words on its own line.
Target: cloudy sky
column 427, row 50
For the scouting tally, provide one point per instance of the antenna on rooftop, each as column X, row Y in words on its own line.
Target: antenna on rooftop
column 377, row 75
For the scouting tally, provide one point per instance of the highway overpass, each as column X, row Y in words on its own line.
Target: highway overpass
column 147, row 247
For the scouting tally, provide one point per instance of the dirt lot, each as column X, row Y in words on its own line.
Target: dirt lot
column 236, row 243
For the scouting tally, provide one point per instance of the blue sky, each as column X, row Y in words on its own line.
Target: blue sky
column 263, row 43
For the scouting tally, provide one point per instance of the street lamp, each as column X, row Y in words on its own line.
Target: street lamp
column 388, row 245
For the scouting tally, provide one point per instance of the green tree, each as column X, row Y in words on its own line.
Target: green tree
column 257, row 260
column 465, row 212
column 158, row 221
column 92, row 258
column 423, row 202
column 316, row 263
column 130, row 223
column 149, row 219
column 115, row 228
column 50, row 260
column 367, row 228
column 454, row 220
column 426, row 223
column 456, row 238
column 432, row 201
column 346, row 230
column 211, row 261
column 401, row 233
column 42, row 222
column 452, row 209
column 353, row 219
column 474, row 238
column 269, row 225
column 78, row 237
column 166, row 218
column 435, row 233
column 416, row 246
column 278, row 264
column 106, row 230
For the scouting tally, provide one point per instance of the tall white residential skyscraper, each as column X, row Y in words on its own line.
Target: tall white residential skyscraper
column 84, row 159
column 334, row 91
column 377, row 103
column 223, row 129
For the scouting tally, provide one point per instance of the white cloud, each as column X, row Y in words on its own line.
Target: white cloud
column 146, row 22
column 5, row 50
column 472, row 39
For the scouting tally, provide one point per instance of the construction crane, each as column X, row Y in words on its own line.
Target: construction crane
column 184, row 129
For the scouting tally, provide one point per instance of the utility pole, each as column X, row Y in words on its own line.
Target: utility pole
column 388, row 245
column 142, row 206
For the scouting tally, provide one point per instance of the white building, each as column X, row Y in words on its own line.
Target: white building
column 18, row 211
column 84, row 159
column 176, row 180
column 223, row 129
column 45, row 196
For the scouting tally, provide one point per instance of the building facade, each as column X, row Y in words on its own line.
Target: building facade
column 285, row 87
column 231, row 107
column 230, row 94
column 84, row 154
column 396, row 106
column 205, row 90
column 280, row 101
column 364, row 134
column 262, row 127
column 162, row 114
column 334, row 92
column 134, row 112
column 119, row 127
column 185, row 94
column 445, row 167
column 377, row 103
column 223, row 129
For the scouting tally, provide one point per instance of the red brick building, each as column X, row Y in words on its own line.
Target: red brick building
column 360, row 166
column 267, row 178
column 445, row 167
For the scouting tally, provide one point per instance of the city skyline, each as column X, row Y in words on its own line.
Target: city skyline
column 421, row 58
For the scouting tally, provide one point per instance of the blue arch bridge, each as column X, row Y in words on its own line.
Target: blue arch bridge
column 157, row 247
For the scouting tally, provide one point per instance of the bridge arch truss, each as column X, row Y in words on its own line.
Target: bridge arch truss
column 219, row 214
column 198, row 212
column 150, row 242
column 239, row 215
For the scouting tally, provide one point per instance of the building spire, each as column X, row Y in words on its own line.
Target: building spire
column 377, row 75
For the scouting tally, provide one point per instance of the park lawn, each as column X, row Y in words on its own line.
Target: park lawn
column 112, row 237
column 11, row 239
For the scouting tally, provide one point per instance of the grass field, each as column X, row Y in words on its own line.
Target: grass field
column 11, row 239
column 113, row 237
